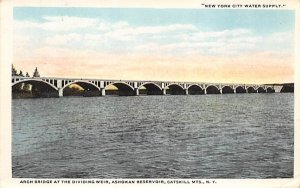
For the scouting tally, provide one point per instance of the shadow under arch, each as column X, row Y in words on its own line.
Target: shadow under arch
column 151, row 89
column 261, row 90
column 123, row 89
column 227, row 89
column 195, row 90
column 270, row 90
column 240, row 89
column 175, row 89
column 86, row 89
column 251, row 90
column 212, row 89
column 33, row 89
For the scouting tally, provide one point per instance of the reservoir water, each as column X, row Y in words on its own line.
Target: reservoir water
column 204, row 136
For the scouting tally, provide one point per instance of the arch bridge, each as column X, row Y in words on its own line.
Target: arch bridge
column 55, row 87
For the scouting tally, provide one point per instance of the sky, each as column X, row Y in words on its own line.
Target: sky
column 198, row 45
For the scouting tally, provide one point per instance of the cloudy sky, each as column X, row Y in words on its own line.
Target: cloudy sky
column 228, row 46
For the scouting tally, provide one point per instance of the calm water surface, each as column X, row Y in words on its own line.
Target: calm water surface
column 212, row 136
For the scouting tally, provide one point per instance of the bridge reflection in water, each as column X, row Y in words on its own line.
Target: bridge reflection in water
column 57, row 87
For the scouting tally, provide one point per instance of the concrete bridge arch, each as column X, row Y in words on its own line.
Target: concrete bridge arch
column 124, row 88
column 227, row 89
column 81, row 83
column 261, row 90
column 151, row 88
column 195, row 89
column 270, row 89
column 212, row 89
column 38, row 88
column 30, row 81
column 251, row 89
column 175, row 89
column 90, row 89
column 240, row 89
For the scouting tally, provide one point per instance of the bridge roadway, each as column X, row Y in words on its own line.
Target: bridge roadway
column 133, row 87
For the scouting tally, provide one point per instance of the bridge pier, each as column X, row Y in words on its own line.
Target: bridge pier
column 186, row 91
column 60, row 92
column 136, row 92
column 102, row 92
column 164, row 91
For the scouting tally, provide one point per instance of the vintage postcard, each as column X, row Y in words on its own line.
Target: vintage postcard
column 196, row 93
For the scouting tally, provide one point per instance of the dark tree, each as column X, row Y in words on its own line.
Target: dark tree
column 36, row 73
column 13, row 71
column 21, row 73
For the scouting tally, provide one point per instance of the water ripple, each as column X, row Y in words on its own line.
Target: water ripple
column 215, row 136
